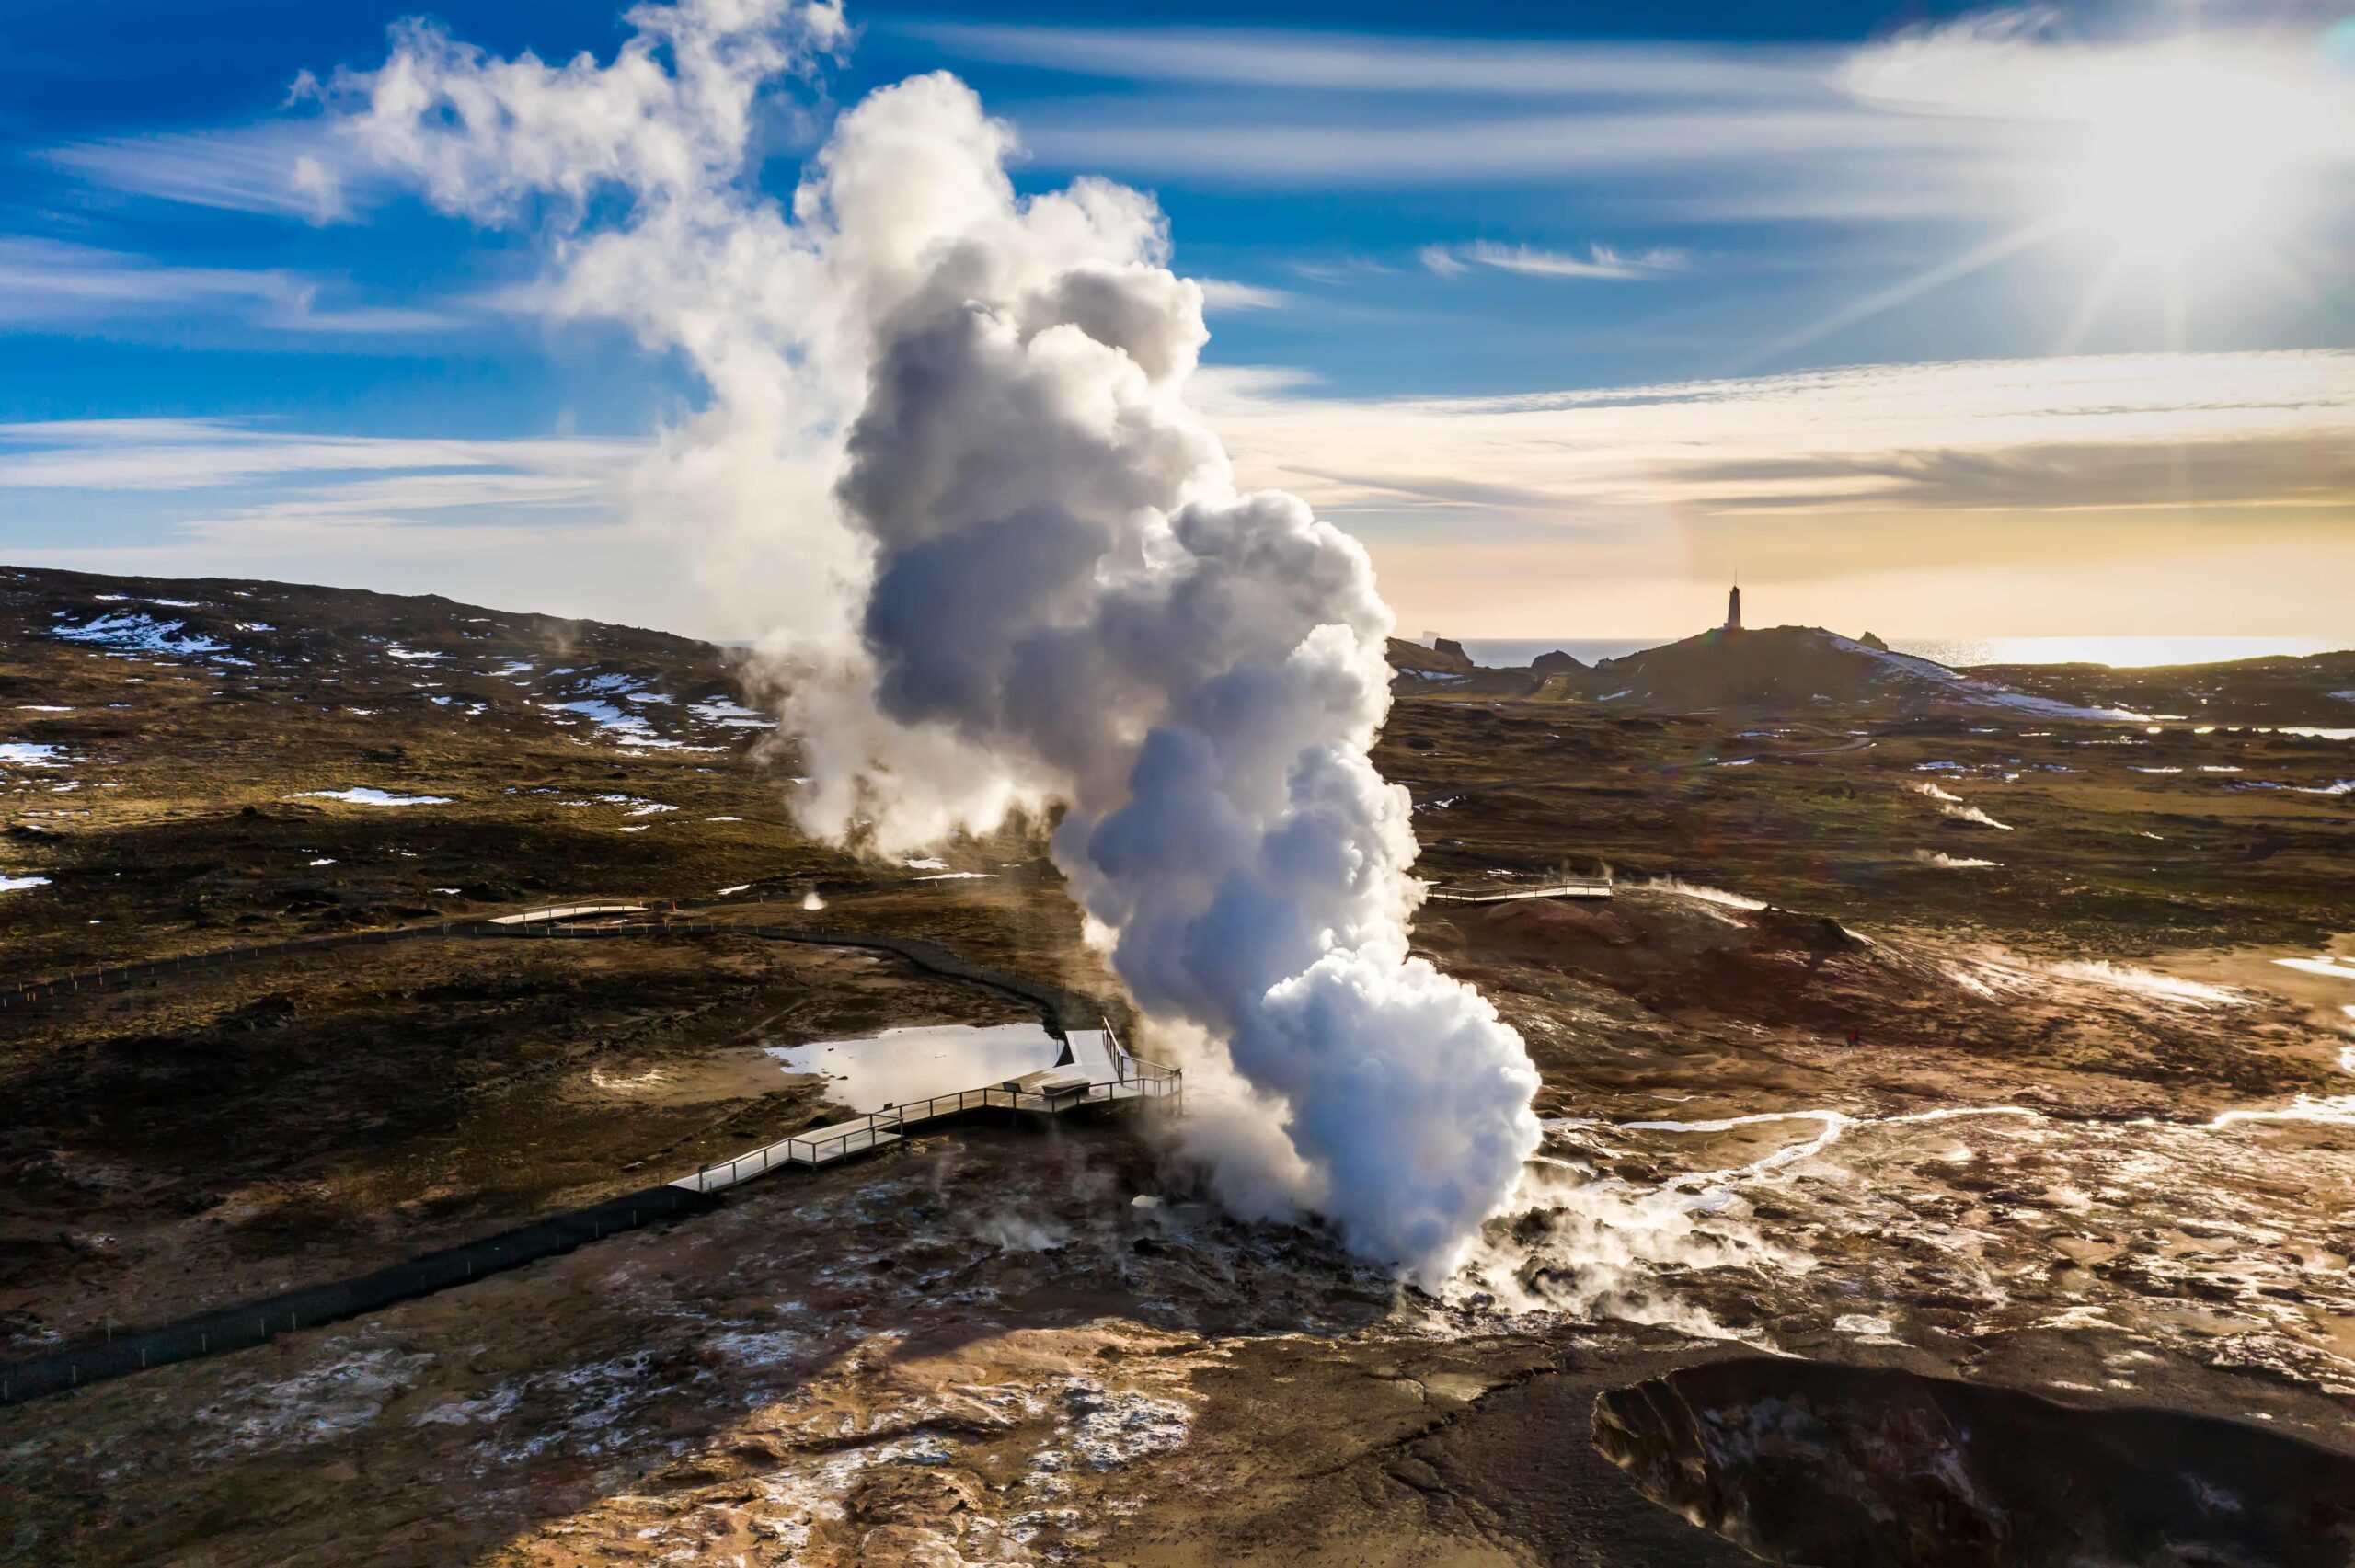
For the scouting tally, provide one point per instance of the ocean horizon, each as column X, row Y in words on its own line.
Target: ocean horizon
column 2118, row 652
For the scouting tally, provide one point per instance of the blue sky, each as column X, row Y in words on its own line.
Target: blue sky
column 1409, row 228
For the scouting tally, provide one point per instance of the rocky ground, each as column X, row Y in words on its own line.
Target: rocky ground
column 1933, row 1074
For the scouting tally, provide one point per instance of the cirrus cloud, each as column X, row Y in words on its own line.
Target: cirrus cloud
column 1598, row 261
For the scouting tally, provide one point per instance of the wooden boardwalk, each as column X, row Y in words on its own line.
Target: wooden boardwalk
column 1097, row 1071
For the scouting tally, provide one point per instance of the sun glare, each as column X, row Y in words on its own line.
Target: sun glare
column 2183, row 155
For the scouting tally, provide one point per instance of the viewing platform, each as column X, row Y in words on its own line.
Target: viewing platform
column 1095, row 1070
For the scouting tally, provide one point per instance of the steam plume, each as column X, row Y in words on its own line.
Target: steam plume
column 1024, row 576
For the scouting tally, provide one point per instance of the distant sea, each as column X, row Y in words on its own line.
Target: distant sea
column 2124, row 653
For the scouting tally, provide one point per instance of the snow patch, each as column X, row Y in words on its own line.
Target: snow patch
column 364, row 795
column 728, row 713
column 2327, row 964
column 604, row 715
column 124, row 633
column 1963, row 688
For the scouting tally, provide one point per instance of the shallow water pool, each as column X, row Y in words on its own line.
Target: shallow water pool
column 900, row 1065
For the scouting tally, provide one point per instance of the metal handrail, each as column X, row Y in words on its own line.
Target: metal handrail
column 1150, row 1079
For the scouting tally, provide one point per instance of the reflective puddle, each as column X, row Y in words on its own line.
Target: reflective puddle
column 900, row 1065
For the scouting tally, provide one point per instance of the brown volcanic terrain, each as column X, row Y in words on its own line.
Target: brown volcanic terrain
column 1930, row 1033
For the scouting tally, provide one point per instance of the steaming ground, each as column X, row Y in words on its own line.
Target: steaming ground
column 2176, row 1165
column 2091, row 1139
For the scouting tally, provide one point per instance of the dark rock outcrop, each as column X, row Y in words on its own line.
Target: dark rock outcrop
column 1447, row 659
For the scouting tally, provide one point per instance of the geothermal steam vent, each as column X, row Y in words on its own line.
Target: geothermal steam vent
column 1024, row 575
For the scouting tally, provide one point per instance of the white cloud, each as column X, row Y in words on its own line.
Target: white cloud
column 1302, row 62
column 1369, row 148
column 1442, row 260
column 1599, row 261
column 285, row 167
column 1767, row 126
column 2026, row 65
column 2152, row 432
column 47, row 282
column 2207, row 493
column 1224, row 294
column 538, row 525
column 1988, row 119
column 1930, row 481
column 162, row 455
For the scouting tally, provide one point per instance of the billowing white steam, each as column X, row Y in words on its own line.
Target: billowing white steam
column 1954, row 805
column 1022, row 573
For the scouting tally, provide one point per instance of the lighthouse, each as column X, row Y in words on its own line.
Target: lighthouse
column 1733, row 609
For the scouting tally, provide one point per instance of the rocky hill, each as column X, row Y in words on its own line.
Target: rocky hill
column 391, row 653
column 1447, row 659
column 2318, row 690
column 1789, row 669
column 184, row 762
column 1793, row 668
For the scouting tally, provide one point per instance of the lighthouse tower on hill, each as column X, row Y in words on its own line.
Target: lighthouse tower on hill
column 1733, row 609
